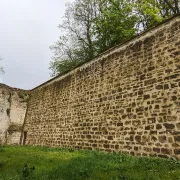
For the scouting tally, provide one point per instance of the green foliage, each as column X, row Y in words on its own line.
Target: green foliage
column 63, row 66
column 89, row 28
column 93, row 26
column 23, row 95
column 152, row 12
column 148, row 13
column 27, row 172
column 75, row 45
column 70, row 164
column 1, row 148
column 115, row 24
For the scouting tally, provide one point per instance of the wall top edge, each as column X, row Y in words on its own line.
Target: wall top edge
column 11, row 88
column 117, row 48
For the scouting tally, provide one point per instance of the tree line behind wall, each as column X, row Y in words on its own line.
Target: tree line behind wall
column 92, row 26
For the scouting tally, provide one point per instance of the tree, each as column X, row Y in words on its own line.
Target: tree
column 152, row 12
column 115, row 23
column 75, row 45
column 92, row 26
column 168, row 7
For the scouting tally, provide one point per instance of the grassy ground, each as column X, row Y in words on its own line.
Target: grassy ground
column 33, row 163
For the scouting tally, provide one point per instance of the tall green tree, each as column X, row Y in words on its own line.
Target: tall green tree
column 152, row 12
column 115, row 23
column 168, row 7
column 76, row 43
column 92, row 26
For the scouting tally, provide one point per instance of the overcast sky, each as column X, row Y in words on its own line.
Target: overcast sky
column 27, row 29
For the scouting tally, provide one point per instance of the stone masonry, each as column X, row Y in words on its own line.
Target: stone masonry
column 125, row 100
column 13, row 104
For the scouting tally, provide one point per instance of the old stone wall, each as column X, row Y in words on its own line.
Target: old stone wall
column 13, row 104
column 125, row 100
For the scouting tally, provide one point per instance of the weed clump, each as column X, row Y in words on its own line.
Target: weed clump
column 27, row 172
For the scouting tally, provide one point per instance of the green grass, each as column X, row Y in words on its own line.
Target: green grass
column 42, row 163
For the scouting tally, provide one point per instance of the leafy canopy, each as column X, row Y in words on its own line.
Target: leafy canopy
column 92, row 26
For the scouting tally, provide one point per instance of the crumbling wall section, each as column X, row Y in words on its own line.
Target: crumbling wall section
column 13, row 104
